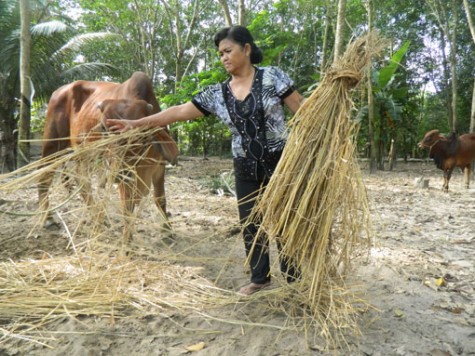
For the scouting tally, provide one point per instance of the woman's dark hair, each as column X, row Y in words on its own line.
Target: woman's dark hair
column 241, row 36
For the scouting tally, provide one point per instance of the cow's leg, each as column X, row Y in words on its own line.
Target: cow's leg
column 151, row 172
column 44, row 184
column 55, row 140
column 127, row 192
column 158, row 181
column 83, row 178
column 447, row 175
column 45, row 180
column 467, row 176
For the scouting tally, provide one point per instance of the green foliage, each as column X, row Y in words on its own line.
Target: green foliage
column 207, row 135
column 146, row 34
column 386, row 74
column 55, row 57
column 389, row 95
column 38, row 115
column 220, row 184
column 289, row 34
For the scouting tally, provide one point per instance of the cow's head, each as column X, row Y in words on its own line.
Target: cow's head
column 129, row 109
column 430, row 139
column 125, row 109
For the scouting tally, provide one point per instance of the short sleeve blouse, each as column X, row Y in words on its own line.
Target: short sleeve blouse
column 276, row 86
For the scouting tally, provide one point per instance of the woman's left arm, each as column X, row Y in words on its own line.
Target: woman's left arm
column 294, row 100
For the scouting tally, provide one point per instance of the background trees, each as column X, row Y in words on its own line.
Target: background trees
column 431, row 85
column 54, row 59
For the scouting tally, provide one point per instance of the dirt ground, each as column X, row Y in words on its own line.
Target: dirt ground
column 419, row 277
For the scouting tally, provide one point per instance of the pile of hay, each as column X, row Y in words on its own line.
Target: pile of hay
column 96, row 279
column 315, row 203
column 36, row 293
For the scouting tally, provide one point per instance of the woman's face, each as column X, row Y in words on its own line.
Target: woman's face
column 233, row 55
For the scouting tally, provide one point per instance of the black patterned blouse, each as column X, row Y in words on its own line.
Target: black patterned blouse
column 263, row 106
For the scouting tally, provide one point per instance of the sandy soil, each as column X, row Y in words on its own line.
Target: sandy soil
column 419, row 277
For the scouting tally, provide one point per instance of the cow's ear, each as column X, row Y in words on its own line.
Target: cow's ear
column 150, row 108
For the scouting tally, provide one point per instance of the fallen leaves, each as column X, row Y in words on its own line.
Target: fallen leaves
column 398, row 313
column 196, row 347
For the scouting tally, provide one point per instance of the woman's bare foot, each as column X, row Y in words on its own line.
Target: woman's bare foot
column 252, row 288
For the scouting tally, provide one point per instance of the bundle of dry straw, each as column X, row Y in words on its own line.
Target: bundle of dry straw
column 315, row 203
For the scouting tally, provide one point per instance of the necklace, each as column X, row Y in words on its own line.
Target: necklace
column 248, row 118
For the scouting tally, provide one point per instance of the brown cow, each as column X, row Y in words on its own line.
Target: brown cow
column 82, row 107
column 449, row 152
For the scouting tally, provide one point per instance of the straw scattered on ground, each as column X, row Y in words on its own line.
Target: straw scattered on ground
column 318, row 209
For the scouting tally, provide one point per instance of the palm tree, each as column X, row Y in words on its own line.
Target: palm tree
column 25, row 86
column 55, row 60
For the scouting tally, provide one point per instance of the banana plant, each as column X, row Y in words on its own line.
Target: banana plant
column 389, row 98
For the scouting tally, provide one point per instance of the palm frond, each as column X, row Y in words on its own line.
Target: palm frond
column 75, row 43
column 362, row 114
column 48, row 28
column 91, row 71
column 9, row 10
column 10, row 52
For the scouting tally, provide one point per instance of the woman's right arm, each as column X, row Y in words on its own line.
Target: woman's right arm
column 183, row 112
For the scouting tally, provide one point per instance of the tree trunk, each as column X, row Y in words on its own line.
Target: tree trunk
column 339, row 34
column 147, row 52
column 448, row 36
column 372, row 142
column 472, row 31
column 446, row 79
column 241, row 13
column 391, row 156
column 25, row 86
column 453, row 64
column 326, row 32
column 472, row 113
column 227, row 15
column 176, row 21
column 472, row 110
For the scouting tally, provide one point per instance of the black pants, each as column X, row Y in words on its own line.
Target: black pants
column 247, row 192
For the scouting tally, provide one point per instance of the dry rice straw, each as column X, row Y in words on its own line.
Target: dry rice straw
column 315, row 203
column 34, row 293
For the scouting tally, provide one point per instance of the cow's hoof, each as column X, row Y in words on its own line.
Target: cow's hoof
column 50, row 224
column 168, row 236
column 168, row 240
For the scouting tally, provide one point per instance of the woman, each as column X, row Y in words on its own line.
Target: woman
column 250, row 103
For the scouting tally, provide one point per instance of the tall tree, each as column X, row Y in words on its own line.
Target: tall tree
column 446, row 13
column 453, row 61
column 141, row 27
column 241, row 13
column 9, row 86
column 372, row 141
column 339, row 33
column 326, row 34
column 181, row 30
column 472, row 32
column 54, row 61
column 227, row 14
column 25, row 85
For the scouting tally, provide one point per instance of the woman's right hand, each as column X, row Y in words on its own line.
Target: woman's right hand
column 114, row 125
